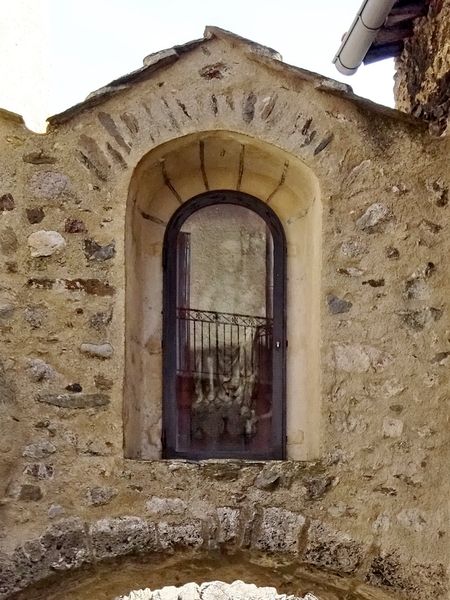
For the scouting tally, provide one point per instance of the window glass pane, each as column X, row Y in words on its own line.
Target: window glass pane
column 224, row 332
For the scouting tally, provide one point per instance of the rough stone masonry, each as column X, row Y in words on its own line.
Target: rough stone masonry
column 366, row 516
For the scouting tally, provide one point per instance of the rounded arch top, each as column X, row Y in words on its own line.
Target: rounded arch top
column 190, row 165
column 218, row 197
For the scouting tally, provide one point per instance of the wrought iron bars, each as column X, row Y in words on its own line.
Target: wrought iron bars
column 217, row 341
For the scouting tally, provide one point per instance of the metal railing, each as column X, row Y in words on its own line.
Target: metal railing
column 222, row 344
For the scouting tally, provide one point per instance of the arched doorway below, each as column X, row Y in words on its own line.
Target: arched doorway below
column 214, row 590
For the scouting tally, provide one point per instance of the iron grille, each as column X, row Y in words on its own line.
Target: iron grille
column 211, row 341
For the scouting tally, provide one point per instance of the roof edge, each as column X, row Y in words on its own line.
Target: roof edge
column 212, row 31
column 8, row 115
column 152, row 63
column 328, row 85
column 264, row 54
column 155, row 61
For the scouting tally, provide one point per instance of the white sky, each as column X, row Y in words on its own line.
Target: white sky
column 54, row 52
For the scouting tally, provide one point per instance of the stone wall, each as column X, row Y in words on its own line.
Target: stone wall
column 369, row 508
column 422, row 80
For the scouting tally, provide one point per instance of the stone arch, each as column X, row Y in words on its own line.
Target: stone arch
column 111, row 556
column 165, row 178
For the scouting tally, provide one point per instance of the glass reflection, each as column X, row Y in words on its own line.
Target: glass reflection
column 224, row 330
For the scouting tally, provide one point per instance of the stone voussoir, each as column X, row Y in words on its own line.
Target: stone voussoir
column 332, row 550
column 185, row 535
column 113, row 537
column 279, row 531
column 63, row 547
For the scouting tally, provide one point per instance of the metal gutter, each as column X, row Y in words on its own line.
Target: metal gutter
column 363, row 31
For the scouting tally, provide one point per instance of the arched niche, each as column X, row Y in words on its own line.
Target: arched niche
column 164, row 179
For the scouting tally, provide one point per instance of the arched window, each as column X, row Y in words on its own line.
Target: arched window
column 224, row 339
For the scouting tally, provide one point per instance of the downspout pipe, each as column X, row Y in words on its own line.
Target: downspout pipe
column 363, row 31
